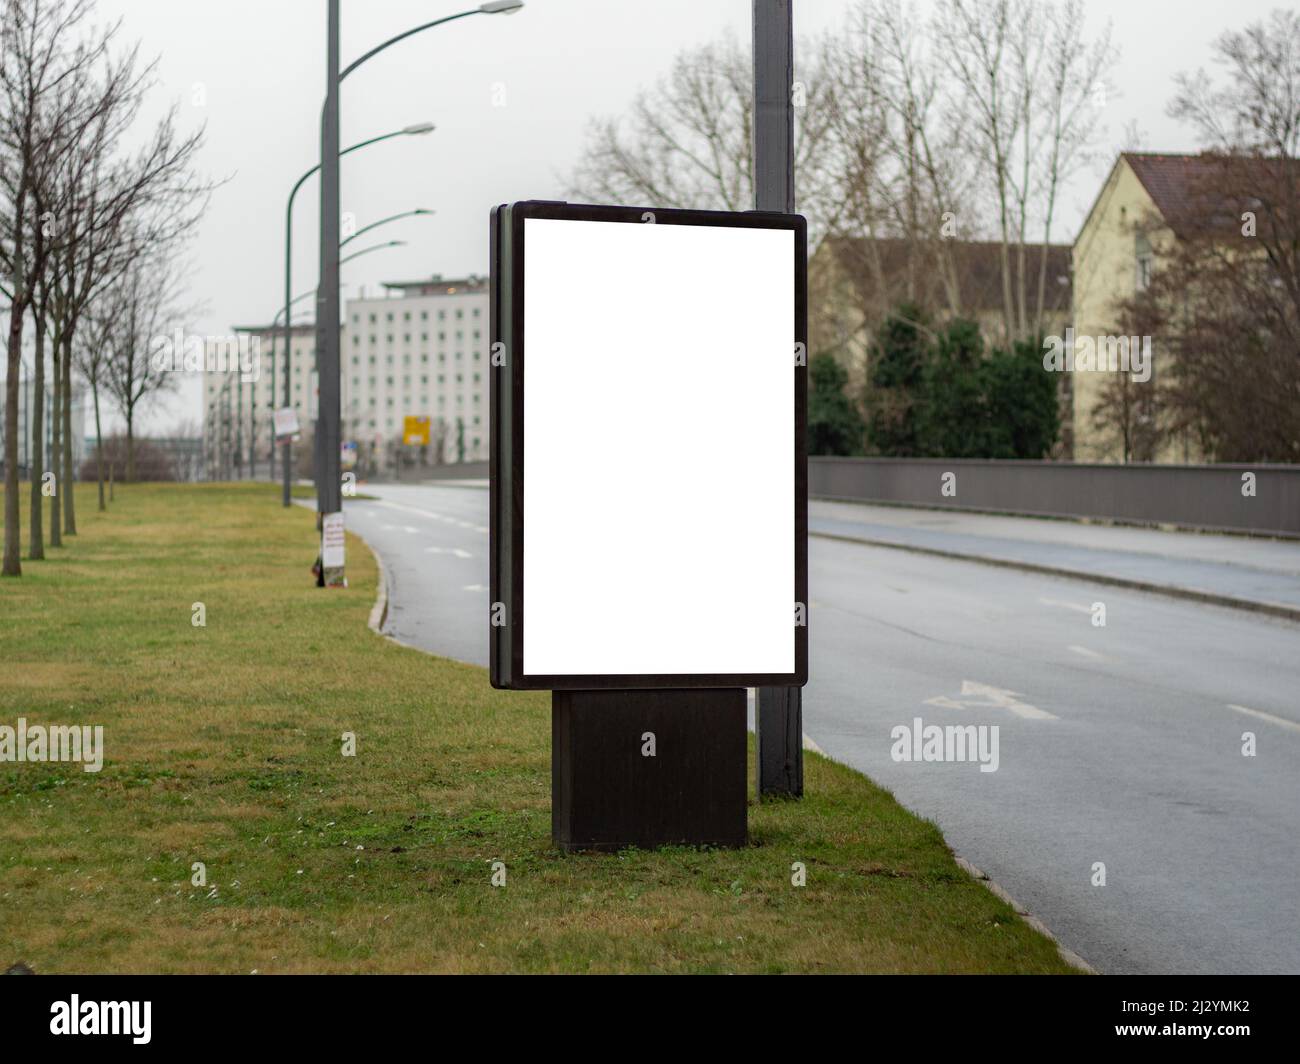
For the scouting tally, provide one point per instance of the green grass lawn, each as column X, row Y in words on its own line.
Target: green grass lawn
column 223, row 747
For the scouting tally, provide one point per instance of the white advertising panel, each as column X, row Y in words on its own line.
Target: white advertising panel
column 659, row 449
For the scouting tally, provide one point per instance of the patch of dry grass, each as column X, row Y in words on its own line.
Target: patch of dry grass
column 223, row 747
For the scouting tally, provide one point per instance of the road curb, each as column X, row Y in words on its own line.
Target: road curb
column 1273, row 609
column 379, row 611
column 1068, row 955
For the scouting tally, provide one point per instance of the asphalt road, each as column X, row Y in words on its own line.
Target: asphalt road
column 1119, row 745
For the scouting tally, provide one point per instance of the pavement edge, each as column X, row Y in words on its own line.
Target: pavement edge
column 1068, row 955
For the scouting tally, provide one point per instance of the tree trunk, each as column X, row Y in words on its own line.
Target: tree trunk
column 36, row 466
column 56, row 437
column 99, row 445
column 130, row 446
column 13, row 565
column 69, row 452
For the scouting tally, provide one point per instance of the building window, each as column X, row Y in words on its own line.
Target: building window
column 1142, row 253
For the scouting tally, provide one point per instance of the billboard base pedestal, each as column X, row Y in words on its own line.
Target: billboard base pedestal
column 648, row 768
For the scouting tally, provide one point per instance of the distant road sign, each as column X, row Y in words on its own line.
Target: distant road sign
column 415, row 431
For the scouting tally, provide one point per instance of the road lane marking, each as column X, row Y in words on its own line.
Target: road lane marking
column 473, row 587
column 1281, row 722
column 1087, row 653
column 444, row 518
column 448, row 550
column 1067, row 605
column 996, row 697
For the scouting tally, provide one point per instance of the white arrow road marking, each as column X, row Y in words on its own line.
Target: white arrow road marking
column 995, row 697
column 1281, row 722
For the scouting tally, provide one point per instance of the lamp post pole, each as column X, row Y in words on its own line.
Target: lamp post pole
column 778, row 711
column 329, row 487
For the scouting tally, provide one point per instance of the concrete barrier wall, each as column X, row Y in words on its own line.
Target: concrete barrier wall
column 1205, row 497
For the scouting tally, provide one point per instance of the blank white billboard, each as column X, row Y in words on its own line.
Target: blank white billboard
column 658, row 449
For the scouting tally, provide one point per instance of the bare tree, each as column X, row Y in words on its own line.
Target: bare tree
column 123, row 206
column 1034, row 86
column 145, row 298
column 689, row 142
column 44, row 68
column 73, row 214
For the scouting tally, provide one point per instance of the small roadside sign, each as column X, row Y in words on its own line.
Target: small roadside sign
column 331, row 548
column 285, row 422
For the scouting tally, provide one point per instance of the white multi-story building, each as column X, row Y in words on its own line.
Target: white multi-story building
column 419, row 350
column 241, row 390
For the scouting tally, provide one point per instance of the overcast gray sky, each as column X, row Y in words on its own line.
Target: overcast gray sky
column 260, row 67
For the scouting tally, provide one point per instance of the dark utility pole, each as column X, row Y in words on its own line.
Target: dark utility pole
column 329, row 488
column 778, row 711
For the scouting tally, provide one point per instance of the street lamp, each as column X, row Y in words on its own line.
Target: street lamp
column 418, row 130
column 329, row 494
column 418, row 212
column 348, row 258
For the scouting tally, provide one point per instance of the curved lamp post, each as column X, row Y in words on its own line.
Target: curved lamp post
column 418, row 130
column 328, row 438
